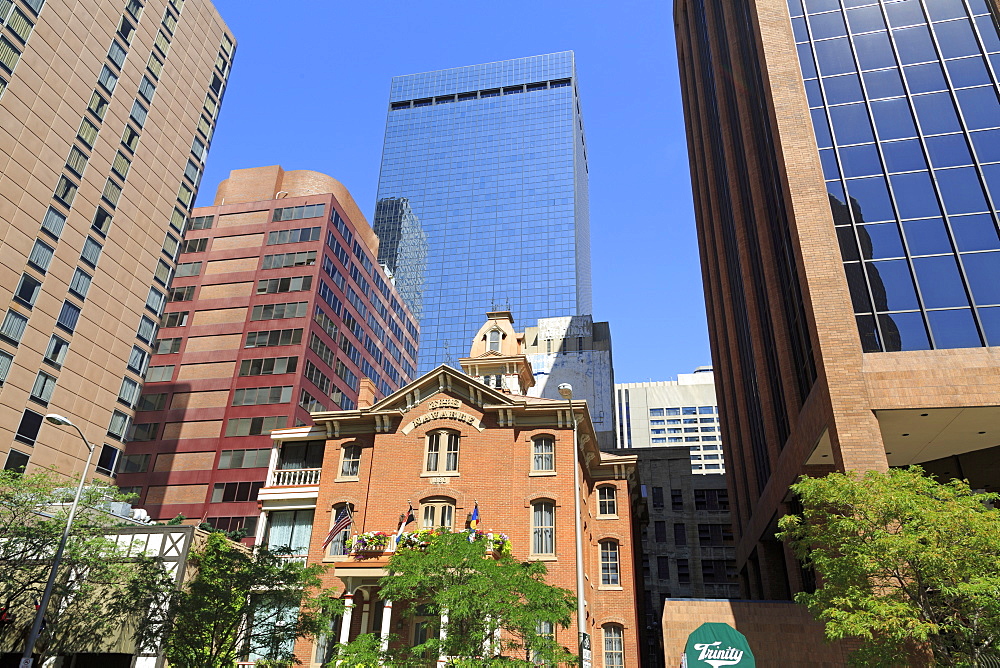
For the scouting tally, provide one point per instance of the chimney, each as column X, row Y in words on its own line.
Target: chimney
column 366, row 393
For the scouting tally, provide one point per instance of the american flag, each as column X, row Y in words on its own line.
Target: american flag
column 343, row 521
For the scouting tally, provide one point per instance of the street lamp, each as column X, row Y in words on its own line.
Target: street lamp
column 566, row 392
column 26, row 659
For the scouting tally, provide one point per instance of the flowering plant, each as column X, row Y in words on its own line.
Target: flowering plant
column 416, row 539
column 498, row 542
column 370, row 541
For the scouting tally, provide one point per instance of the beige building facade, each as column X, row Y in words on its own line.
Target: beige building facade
column 107, row 109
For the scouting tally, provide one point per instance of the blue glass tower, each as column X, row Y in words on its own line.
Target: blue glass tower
column 490, row 161
column 907, row 120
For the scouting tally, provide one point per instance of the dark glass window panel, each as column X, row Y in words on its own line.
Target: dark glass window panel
column 904, row 156
column 973, row 233
column 978, row 6
column 843, row 89
column 954, row 329
column 926, row 237
column 956, row 38
column 990, row 317
column 859, row 289
column 914, row 45
column 949, row 151
column 994, row 59
column 992, row 174
column 903, row 331
column 834, row 56
column 813, row 93
column 988, row 31
column 987, row 145
column 851, row 124
column 983, row 272
column 915, row 195
column 940, row 283
column 874, row 51
column 848, row 243
column 939, row 10
column 821, row 5
column 856, row 3
column 906, row 13
column 799, row 30
column 827, row 25
column 880, row 241
column 979, row 107
column 936, row 113
column 860, row 160
column 968, row 72
column 865, row 19
column 829, row 160
column 841, row 214
column 892, row 285
column 924, row 78
column 961, row 190
column 821, row 128
column 870, row 200
column 795, row 8
column 806, row 61
column 893, row 119
column 883, row 83
column 869, row 335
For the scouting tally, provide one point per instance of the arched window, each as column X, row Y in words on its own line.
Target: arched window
column 343, row 517
column 607, row 503
column 437, row 513
column 609, row 563
column 543, row 527
column 442, row 452
column 350, row 461
column 543, row 454
column 614, row 646
column 493, row 340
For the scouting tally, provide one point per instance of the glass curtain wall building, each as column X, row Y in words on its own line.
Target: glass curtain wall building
column 482, row 198
column 904, row 104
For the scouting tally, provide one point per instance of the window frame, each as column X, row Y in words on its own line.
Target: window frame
column 609, row 561
column 613, row 637
column 350, row 453
column 610, row 503
column 434, row 507
column 538, row 442
column 442, row 458
column 538, row 538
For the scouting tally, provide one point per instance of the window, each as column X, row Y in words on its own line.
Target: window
column 91, row 252
column 174, row 319
column 12, row 327
column 299, row 212
column 68, row 317
column 281, row 260
column 167, row 346
column 102, row 221
column 228, row 492
column 194, row 245
column 130, row 138
column 543, row 528
column 662, row 568
column 656, row 412
column 6, row 360
column 274, row 337
column 188, row 269
column 198, row 148
column 138, row 113
column 27, row 290
column 155, row 301
column 162, row 42
column 77, row 161
column 170, row 246
column 442, row 452
column 160, row 374
column 265, row 366
column 126, row 30
column 437, row 513
column 137, row 360
column 683, row 572
column 116, row 54
column 302, row 455
column 147, row 89
column 65, row 191
column 680, row 535
column 146, row 331
column 260, row 396
column 27, row 429
column 42, row 390
column 607, row 503
column 338, row 546
column 119, row 425
column 162, row 273
column 129, row 392
column 133, row 464
column 41, row 256
column 191, row 172
column 120, row 167
column 609, row 563
column 182, row 294
column 255, row 426
column 9, row 54
column 53, row 222
column 543, row 454
column 293, row 236
column 270, row 286
column 144, row 432
column 201, row 223
column 711, row 499
column 715, row 535
column 108, row 79
column 717, row 571
column 79, row 285
column 16, row 461
column 152, row 402
column 350, row 461
column 614, row 646
column 494, row 340
column 108, row 459
column 660, row 531
column 279, row 311
column 245, row 459
column 111, row 193
column 677, row 499
column 184, row 194
column 245, row 524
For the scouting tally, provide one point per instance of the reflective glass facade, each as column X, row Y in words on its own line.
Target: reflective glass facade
column 484, row 181
column 904, row 104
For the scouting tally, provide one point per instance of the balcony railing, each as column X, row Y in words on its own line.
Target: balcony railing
column 294, row 478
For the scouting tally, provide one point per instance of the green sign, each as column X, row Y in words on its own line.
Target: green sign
column 714, row 644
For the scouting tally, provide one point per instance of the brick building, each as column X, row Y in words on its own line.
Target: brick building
column 107, row 109
column 277, row 309
column 846, row 213
column 443, row 443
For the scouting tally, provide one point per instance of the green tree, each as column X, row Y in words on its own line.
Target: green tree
column 497, row 608
column 905, row 564
column 101, row 594
column 243, row 603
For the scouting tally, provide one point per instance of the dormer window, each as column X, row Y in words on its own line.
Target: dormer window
column 493, row 340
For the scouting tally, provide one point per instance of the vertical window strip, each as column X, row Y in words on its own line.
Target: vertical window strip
column 9, row 54
column 121, row 165
column 20, row 25
column 54, row 222
column 41, row 256
column 5, row 361
column 13, row 326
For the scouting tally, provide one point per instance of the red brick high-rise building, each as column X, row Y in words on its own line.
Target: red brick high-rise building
column 277, row 308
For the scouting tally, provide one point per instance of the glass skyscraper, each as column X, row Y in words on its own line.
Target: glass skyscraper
column 483, row 191
column 904, row 103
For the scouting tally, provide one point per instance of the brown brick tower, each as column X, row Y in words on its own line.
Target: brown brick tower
column 107, row 109
column 848, row 245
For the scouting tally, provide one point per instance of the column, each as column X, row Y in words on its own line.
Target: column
column 345, row 623
column 386, row 618
column 443, row 634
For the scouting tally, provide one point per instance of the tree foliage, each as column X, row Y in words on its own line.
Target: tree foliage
column 495, row 607
column 101, row 593
column 906, row 564
column 242, row 603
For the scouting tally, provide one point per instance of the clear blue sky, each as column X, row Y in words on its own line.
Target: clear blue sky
column 310, row 86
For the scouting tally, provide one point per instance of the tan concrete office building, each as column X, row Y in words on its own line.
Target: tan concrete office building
column 107, row 109
column 843, row 160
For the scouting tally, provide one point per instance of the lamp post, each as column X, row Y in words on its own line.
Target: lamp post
column 26, row 659
column 566, row 392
